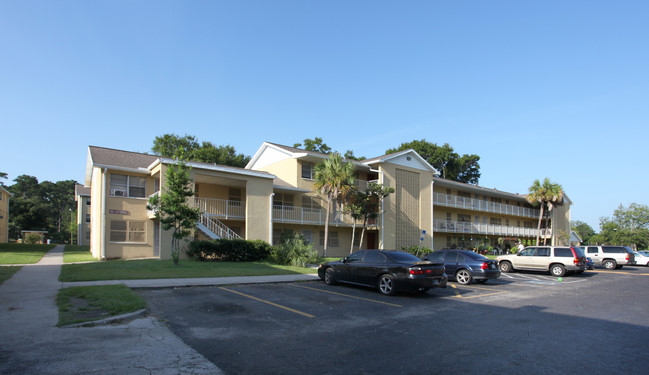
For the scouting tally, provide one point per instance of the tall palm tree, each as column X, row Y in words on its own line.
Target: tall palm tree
column 546, row 194
column 334, row 178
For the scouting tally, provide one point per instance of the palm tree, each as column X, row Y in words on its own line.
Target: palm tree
column 334, row 178
column 546, row 194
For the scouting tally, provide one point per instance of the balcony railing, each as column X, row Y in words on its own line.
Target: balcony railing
column 221, row 208
column 487, row 229
column 314, row 216
column 481, row 205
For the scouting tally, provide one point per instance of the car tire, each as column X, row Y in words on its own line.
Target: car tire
column 386, row 285
column 557, row 270
column 329, row 277
column 609, row 264
column 463, row 276
column 506, row 267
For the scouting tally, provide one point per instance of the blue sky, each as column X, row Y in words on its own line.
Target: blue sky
column 537, row 89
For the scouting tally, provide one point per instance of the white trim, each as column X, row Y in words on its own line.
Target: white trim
column 217, row 168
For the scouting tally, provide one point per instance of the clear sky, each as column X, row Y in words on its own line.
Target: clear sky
column 537, row 89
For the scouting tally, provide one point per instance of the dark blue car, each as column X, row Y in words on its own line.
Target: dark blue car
column 465, row 266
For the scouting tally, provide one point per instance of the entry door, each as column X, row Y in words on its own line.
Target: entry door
column 371, row 241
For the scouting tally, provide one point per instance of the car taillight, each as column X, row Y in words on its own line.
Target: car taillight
column 627, row 257
column 575, row 261
column 484, row 266
column 419, row 271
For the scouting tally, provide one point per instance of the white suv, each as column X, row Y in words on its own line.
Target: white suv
column 611, row 257
column 558, row 260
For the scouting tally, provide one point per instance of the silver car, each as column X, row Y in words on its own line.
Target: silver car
column 609, row 256
column 558, row 260
column 641, row 258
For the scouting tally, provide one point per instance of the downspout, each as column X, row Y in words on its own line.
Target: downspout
column 432, row 214
column 382, row 199
column 103, row 216
column 270, row 224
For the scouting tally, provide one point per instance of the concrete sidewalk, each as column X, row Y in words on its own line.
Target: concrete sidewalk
column 30, row 343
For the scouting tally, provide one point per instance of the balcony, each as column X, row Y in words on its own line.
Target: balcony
column 361, row 185
column 484, row 206
column 487, row 229
column 221, row 208
column 312, row 216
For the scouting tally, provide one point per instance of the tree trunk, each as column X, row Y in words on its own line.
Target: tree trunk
column 538, row 227
column 351, row 248
column 360, row 245
column 326, row 236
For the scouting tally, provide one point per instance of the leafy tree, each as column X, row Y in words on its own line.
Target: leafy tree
column 451, row 166
column 188, row 148
column 369, row 203
column 545, row 195
column 349, row 155
column 629, row 226
column 335, row 179
column 316, row 145
column 3, row 176
column 584, row 230
column 172, row 209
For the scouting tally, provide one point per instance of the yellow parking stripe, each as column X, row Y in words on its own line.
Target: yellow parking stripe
column 458, row 295
column 270, row 303
column 347, row 295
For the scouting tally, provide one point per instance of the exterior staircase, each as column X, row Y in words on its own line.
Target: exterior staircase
column 214, row 228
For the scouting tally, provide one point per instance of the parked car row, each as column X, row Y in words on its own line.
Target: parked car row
column 393, row 271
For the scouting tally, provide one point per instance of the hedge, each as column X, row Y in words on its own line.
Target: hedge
column 223, row 250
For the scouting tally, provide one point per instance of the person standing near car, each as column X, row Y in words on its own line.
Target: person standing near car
column 520, row 247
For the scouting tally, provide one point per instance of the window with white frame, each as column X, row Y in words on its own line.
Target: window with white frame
column 308, row 171
column 127, row 186
column 127, row 231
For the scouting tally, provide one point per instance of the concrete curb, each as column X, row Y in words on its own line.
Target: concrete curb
column 117, row 319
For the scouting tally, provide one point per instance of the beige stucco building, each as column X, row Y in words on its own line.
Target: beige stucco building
column 274, row 193
column 4, row 214
column 82, row 196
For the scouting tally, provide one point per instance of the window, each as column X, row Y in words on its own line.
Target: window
column 87, row 201
column 307, row 171
column 285, row 200
column 355, row 257
column 437, row 255
column 563, row 252
column 234, row 196
column 278, row 233
column 495, row 221
column 309, row 202
column 374, row 257
column 543, row 252
column 87, row 218
column 308, row 235
column 332, row 240
column 88, row 235
column 127, row 186
column 464, row 218
column 127, row 231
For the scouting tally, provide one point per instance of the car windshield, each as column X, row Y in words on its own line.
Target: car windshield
column 401, row 257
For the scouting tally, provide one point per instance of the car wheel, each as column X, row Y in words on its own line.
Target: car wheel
column 609, row 264
column 506, row 267
column 463, row 277
column 557, row 270
column 329, row 278
column 386, row 285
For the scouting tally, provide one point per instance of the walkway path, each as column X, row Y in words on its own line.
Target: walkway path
column 30, row 343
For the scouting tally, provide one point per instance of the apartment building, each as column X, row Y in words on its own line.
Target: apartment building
column 82, row 197
column 274, row 194
column 4, row 214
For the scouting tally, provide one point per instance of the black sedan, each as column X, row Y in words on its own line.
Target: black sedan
column 465, row 266
column 390, row 271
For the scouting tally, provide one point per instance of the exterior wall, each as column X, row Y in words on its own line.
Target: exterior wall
column 97, row 223
column 4, row 216
column 344, row 235
column 561, row 225
column 83, row 226
column 288, row 170
column 258, row 209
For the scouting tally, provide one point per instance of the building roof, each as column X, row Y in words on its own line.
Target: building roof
column 6, row 191
column 80, row 190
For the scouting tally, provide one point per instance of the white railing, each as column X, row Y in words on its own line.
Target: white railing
column 481, row 205
column 219, row 229
column 493, row 229
column 315, row 216
column 221, row 208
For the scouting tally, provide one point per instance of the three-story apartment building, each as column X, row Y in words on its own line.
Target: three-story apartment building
column 274, row 194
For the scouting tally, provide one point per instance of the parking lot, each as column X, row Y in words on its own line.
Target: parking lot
column 522, row 322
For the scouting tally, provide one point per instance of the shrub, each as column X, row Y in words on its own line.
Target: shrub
column 229, row 250
column 416, row 250
column 33, row 238
column 294, row 251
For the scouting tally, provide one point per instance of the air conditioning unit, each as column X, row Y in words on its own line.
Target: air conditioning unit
column 118, row 193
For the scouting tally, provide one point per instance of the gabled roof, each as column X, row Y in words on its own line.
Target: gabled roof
column 6, row 191
column 81, row 191
column 403, row 157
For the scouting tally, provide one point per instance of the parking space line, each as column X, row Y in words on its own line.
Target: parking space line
column 459, row 295
column 270, row 303
column 350, row 296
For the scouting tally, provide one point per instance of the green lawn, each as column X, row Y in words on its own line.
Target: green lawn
column 162, row 269
column 82, row 304
column 76, row 253
column 7, row 271
column 17, row 253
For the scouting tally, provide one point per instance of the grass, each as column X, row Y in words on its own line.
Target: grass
column 163, row 269
column 17, row 253
column 88, row 303
column 7, row 272
column 76, row 253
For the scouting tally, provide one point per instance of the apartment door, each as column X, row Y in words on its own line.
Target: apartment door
column 371, row 241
